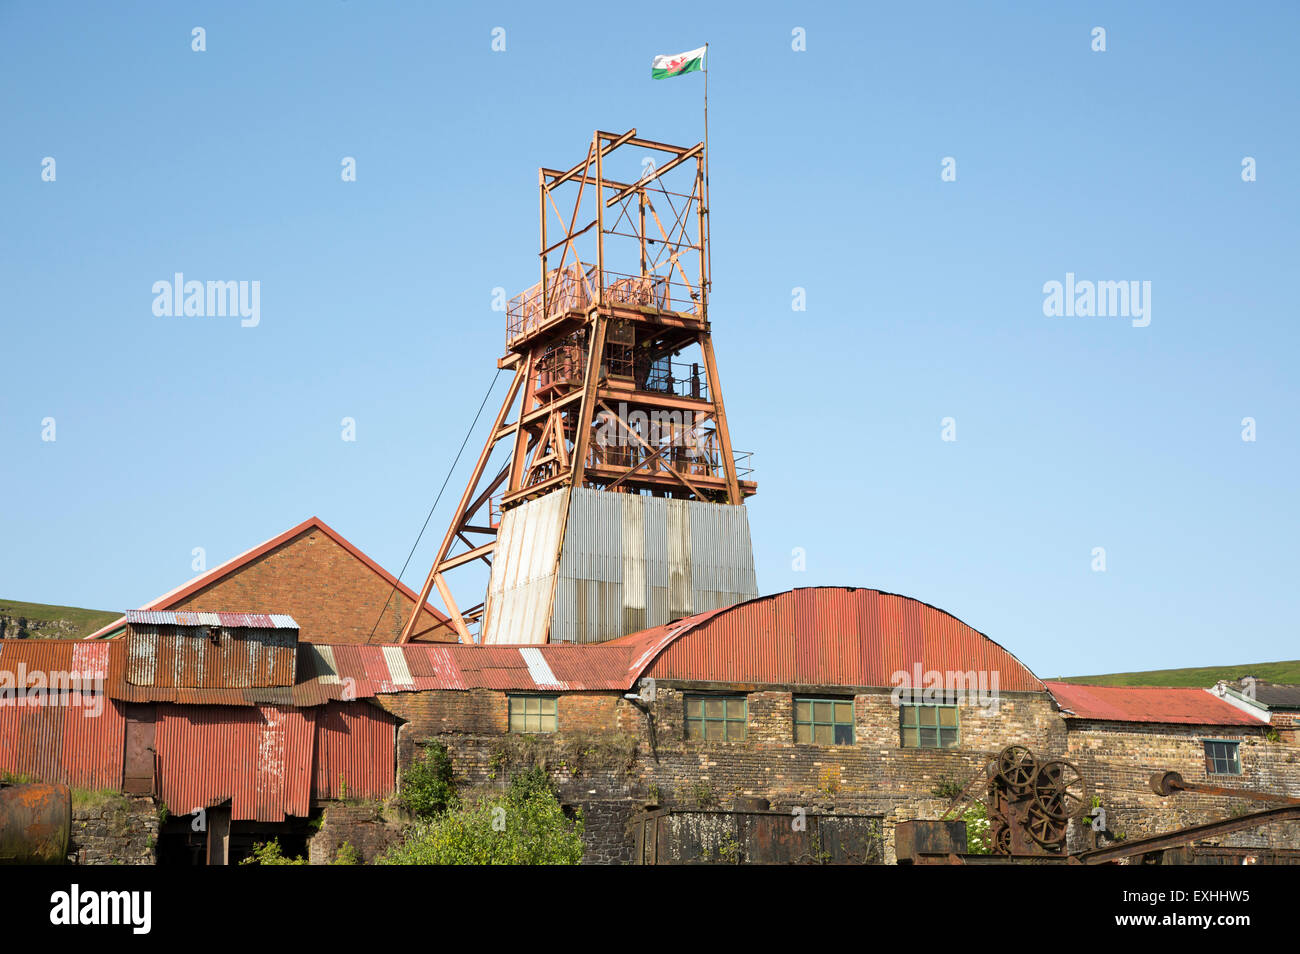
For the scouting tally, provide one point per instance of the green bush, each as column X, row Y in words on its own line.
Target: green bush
column 270, row 853
column 347, row 855
column 525, row 826
column 427, row 786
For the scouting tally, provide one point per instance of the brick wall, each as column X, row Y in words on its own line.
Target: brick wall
column 369, row 827
column 1118, row 760
column 334, row 596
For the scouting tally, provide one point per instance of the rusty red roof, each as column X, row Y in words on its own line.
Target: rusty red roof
column 1150, row 704
column 823, row 636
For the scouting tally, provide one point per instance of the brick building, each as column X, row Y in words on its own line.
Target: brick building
column 787, row 698
column 1120, row 736
column 312, row 573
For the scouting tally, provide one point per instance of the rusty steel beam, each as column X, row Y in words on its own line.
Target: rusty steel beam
column 659, row 172
column 1182, row 836
column 1167, row 783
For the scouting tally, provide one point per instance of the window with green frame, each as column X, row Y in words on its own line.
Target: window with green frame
column 823, row 721
column 716, row 718
column 1222, row 757
column 533, row 714
column 928, row 726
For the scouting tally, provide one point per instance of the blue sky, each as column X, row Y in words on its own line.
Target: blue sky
column 924, row 297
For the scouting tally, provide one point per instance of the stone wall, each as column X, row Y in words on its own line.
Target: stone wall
column 605, row 760
column 113, row 829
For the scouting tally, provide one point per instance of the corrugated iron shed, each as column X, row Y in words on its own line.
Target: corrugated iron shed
column 213, row 655
column 1149, row 704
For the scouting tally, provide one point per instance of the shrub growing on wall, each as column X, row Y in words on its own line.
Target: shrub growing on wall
column 525, row 826
column 427, row 786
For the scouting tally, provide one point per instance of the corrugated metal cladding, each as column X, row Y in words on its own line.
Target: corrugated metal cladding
column 630, row 562
column 523, row 571
column 270, row 761
column 259, row 759
column 625, row 563
column 210, row 656
column 59, row 738
column 355, row 755
column 828, row 636
column 62, row 736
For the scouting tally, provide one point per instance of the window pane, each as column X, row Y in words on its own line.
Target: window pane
column 712, row 731
column 929, row 738
column 844, row 735
column 694, row 706
column 516, row 722
column 531, row 704
column 948, row 716
column 929, row 716
column 844, row 712
column 947, row 738
column 713, row 709
column 822, row 735
column 910, row 739
column 803, row 733
column 821, row 712
column 694, row 729
column 736, row 731
column 548, row 706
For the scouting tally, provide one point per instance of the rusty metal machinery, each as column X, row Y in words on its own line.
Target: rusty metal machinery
column 1029, row 802
column 35, row 822
column 1169, row 783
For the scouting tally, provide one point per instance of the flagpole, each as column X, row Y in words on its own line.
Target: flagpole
column 708, row 209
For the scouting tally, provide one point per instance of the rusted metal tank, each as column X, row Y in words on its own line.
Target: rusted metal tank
column 34, row 824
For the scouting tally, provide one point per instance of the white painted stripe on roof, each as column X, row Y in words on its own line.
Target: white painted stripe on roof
column 538, row 667
column 325, row 654
column 397, row 668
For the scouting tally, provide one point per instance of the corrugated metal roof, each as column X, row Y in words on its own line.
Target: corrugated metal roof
column 823, row 636
column 1149, row 704
column 227, row 620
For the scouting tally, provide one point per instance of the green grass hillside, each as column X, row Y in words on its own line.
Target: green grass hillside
column 52, row 622
column 1204, row 677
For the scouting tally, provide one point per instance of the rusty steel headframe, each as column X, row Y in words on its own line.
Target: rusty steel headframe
column 623, row 289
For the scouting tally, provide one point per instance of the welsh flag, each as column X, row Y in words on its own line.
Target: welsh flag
column 665, row 66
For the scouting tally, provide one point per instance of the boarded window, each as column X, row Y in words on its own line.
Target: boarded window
column 716, row 718
column 533, row 714
column 823, row 721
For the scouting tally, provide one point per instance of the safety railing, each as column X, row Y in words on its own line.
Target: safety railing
column 574, row 288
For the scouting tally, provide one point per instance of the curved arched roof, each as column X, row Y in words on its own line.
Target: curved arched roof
column 821, row 636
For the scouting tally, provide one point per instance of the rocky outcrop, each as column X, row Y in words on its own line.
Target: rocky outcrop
column 19, row 627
